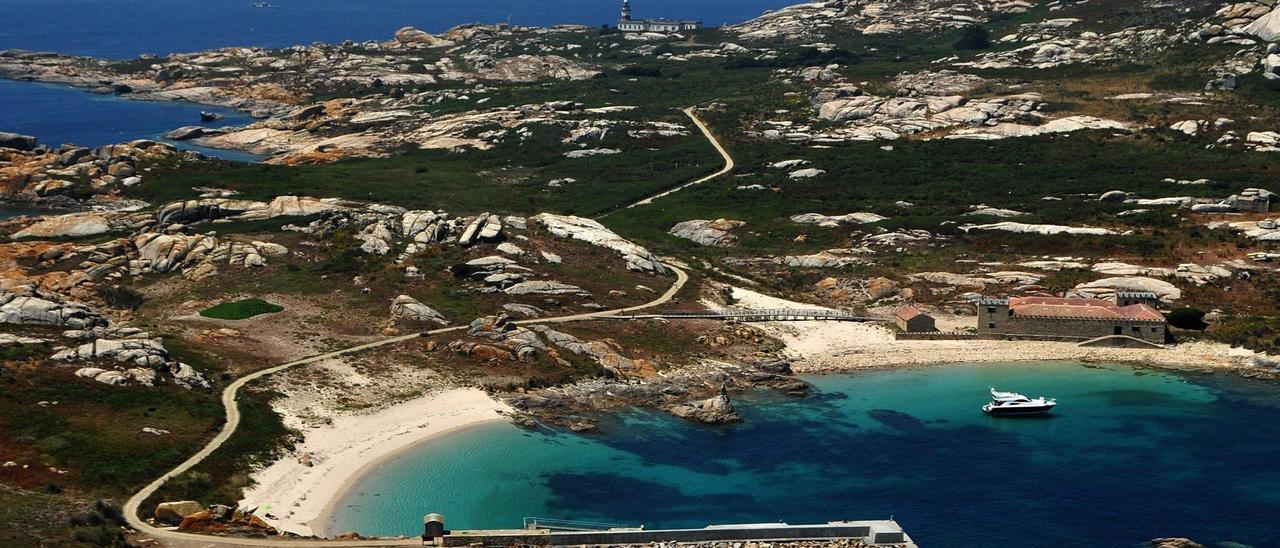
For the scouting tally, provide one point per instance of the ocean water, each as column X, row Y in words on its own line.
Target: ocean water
column 1130, row 455
column 57, row 114
column 126, row 28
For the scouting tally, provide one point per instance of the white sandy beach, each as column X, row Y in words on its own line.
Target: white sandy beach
column 300, row 490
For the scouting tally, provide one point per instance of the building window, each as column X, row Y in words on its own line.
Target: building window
column 991, row 310
column 1010, row 312
column 991, row 325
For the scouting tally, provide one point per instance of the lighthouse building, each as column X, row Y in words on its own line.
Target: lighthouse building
column 627, row 24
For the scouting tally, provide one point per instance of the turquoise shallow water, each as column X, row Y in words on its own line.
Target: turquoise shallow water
column 1131, row 454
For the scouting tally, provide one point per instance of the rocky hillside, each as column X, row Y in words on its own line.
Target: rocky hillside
column 883, row 154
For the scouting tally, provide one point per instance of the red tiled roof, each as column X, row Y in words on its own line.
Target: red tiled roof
column 908, row 312
column 1081, row 308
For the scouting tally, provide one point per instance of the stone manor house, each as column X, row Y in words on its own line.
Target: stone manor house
column 1131, row 314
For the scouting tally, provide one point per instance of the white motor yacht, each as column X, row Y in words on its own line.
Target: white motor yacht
column 1013, row 403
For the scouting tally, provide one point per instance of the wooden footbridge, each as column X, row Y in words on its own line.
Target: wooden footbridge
column 758, row 315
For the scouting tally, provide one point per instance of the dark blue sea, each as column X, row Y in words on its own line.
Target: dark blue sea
column 1129, row 455
column 126, row 28
column 57, row 114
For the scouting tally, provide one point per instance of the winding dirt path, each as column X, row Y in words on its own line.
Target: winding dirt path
column 230, row 393
column 728, row 164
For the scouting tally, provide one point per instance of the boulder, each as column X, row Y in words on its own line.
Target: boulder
column 203, row 521
column 1024, row 228
column 490, row 230
column 185, row 133
column 175, row 512
column 1271, row 67
column 301, row 206
column 1106, row 287
column 17, row 141
column 39, row 309
column 72, row 225
column 806, row 173
column 788, row 164
column 545, row 287
column 1266, row 27
column 713, row 233
column 1113, row 196
column 880, row 288
column 509, row 248
column 1264, row 138
column 819, row 219
column 190, row 211
column 594, row 233
column 412, row 37
column 405, row 307
column 523, row 310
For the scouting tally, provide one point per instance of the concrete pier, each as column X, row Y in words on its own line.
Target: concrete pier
column 872, row 533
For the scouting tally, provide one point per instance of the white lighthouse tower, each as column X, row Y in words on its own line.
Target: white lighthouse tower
column 626, row 11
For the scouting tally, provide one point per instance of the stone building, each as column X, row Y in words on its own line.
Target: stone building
column 1126, row 298
column 627, row 24
column 911, row 320
column 1065, row 318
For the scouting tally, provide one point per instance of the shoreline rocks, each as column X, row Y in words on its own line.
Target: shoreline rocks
column 714, row 410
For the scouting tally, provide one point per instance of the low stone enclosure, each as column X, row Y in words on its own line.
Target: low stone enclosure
column 1109, row 341
column 937, row 336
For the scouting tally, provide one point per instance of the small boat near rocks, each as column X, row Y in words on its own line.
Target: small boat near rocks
column 1015, row 404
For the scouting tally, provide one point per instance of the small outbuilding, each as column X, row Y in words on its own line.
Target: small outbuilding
column 912, row 320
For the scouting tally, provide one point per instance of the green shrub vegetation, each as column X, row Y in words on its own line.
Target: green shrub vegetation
column 972, row 37
column 1260, row 333
column 1187, row 317
column 122, row 297
column 242, row 309
column 95, row 429
column 221, row 477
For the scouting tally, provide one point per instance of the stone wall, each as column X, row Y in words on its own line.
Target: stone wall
column 936, row 336
column 1083, row 329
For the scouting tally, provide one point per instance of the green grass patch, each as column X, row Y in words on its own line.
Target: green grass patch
column 242, row 309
